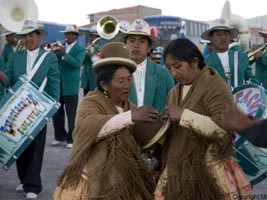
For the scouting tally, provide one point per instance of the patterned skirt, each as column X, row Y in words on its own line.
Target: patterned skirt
column 78, row 193
column 230, row 177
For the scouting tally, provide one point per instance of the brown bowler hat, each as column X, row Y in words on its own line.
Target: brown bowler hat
column 147, row 134
column 114, row 53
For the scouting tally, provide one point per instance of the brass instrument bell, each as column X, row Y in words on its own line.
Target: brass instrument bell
column 107, row 27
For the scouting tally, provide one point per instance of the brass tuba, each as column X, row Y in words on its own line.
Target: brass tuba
column 14, row 12
column 238, row 22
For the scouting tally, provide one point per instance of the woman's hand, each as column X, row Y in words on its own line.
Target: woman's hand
column 144, row 113
column 174, row 112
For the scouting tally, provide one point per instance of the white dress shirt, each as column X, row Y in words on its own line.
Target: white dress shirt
column 69, row 46
column 31, row 57
column 139, row 79
column 224, row 57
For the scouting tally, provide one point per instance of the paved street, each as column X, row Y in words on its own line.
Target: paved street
column 55, row 159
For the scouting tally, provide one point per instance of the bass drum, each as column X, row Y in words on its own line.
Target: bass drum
column 24, row 111
column 251, row 99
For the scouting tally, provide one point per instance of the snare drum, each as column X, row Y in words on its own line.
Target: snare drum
column 253, row 160
column 24, row 111
column 251, row 99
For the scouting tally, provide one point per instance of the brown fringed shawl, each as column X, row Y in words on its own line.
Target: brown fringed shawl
column 115, row 169
column 185, row 150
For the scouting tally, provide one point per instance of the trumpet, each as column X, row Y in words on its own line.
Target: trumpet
column 91, row 46
column 57, row 44
column 251, row 55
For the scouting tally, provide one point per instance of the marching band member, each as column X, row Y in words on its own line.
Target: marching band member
column 2, row 76
column 232, row 65
column 88, row 82
column 251, row 129
column 70, row 59
column 260, row 61
column 13, row 44
column 152, row 82
column 29, row 164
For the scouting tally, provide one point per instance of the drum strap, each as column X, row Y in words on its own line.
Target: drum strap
column 235, row 68
column 34, row 70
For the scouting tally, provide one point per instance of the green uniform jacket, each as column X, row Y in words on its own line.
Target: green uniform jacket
column 49, row 68
column 2, row 68
column 69, row 67
column 88, row 74
column 261, row 70
column 7, row 51
column 244, row 70
column 158, row 83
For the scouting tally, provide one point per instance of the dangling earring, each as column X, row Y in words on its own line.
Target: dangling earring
column 105, row 93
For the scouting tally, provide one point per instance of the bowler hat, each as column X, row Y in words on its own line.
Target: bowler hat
column 147, row 134
column 114, row 53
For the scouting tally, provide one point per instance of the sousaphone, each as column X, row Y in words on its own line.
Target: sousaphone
column 108, row 26
column 14, row 12
column 238, row 22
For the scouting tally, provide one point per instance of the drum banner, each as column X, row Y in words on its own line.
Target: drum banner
column 24, row 111
column 253, row 160
column 251, row 99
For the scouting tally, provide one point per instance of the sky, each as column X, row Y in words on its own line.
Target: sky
column 75, row 12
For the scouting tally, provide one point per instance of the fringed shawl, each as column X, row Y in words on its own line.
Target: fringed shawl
column 185, row 150
column 115, row 169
